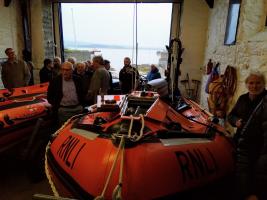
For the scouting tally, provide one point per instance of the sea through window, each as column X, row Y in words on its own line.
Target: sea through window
column 117, row 30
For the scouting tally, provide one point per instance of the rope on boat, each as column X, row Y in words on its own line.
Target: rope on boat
column 135, row 137
column 121, row 147
column 66, row 123
column 116, row 195
column 51, row 183
column 131, row 126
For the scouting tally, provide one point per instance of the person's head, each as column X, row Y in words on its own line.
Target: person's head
column 97, row 61
column 127, row 61
column 80, row 68
column 107, row 64
column 48, row 63
column 67, row 70
column 153, row 67
column 10, row 53
column 72, row 60
column 89, row 65
column 57, row 61
column 255, row 83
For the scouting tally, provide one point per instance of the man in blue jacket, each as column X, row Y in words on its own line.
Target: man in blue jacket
column 153, row 74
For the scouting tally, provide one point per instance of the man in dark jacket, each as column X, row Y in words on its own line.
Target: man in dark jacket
column 47, row 72
column 248, row 116
column 128, row 76
column 261, row 164
column 107, row 66
column 65, row 93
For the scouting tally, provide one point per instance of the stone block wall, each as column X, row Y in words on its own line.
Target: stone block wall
column 42, row 34
column 48, row 30
column 250, row 51
column 10, row 30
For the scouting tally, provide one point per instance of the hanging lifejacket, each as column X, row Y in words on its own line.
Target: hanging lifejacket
column 215, row 73
column 220, row 91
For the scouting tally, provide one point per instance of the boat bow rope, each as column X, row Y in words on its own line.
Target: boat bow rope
column 116, row 195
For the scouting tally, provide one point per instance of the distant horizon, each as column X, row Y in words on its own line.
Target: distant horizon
column 82, row 44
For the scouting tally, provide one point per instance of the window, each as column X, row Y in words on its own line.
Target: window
column 116, row 30
column 232, row 22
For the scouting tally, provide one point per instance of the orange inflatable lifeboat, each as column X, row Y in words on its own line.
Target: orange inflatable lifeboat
column 19, row 110
column 141, row 147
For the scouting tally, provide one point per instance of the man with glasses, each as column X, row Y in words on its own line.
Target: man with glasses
column 15, row 73
column 65, row 93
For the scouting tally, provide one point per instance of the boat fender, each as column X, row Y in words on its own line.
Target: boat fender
column 2, row 124
column 8, row 120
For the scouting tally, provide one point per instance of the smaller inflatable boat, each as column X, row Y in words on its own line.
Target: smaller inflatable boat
column 19, row 111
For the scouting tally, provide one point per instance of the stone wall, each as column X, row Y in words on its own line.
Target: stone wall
column 42, row 34
column 10, row 30
column 48, row 30
column 250, row 51
column 41, row 27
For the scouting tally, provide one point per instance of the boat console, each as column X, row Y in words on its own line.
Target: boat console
column 138, row 102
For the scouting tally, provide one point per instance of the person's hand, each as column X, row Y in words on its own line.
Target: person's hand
column 238, row 123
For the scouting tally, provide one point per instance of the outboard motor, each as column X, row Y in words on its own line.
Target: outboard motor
column 160, row 85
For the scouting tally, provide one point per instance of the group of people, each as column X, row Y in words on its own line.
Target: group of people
column 72, row 85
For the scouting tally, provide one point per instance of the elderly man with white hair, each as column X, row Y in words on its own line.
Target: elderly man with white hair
column 65, row 93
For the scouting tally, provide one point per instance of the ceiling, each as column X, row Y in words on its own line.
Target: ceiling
column 117, row 1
